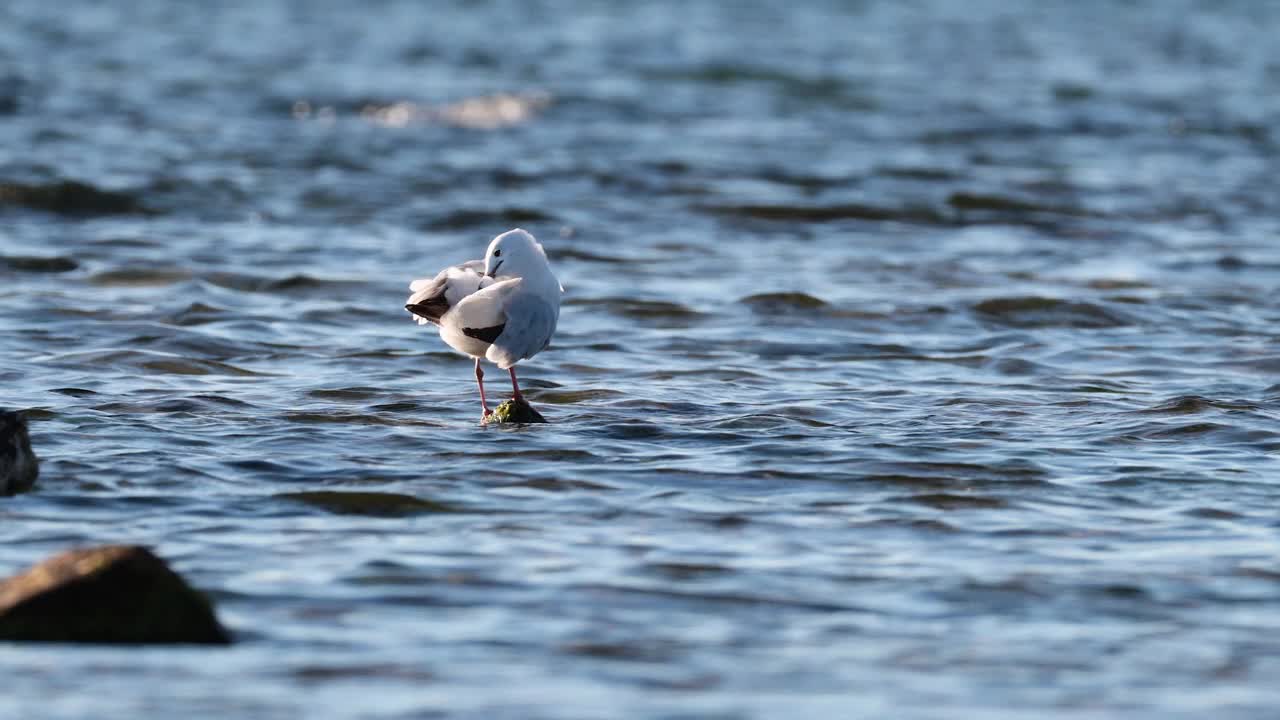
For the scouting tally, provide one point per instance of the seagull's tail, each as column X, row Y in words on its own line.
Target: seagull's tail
column 428, row 310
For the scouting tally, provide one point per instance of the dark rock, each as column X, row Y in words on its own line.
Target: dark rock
column 514, row 411
column 18, row 465
column 119, row 594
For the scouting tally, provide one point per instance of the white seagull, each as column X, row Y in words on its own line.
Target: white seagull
column 503, row 308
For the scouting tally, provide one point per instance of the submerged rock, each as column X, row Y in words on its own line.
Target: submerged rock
column 107, row 594
column 514, row 411
column 18, row 465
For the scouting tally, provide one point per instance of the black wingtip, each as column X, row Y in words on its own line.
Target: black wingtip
column 431, row 310
column 489, row 334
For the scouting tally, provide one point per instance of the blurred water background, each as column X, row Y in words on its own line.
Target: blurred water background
column 918, row 359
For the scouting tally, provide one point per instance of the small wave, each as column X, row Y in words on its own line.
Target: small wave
column 196, row 314
column 930, row 174
column 645, row 651
column 820, row 88
column 631, row 430
column 74, row 392
column 166, row 363
column 351, row 393
column 193, row 366
column 1191, row 404
column 139, row 277
column 376, row 504
column 990, row 131
column 552, row 484
column 1212, row 513
column 782, row 302
column 1014, row 366
column 72, row 198
column 920, row 215
column 551, row 454
column 11, row 91
column 1072, row 92
column 754, row 421
column 298, row 281
column 583, row 255
column 222, row 400
column 38, row 264
column 1224, row 434
column 1119, row 284
column 831, row 351
column 337, row 418
column 639, row 309
column 570, row 397
column 167, row 405
column 956, row 501
column 460, row 219
column 719, row 374
column 934, row 475
column 1035, row 311
column 295, row 282
column 806, row 181
column 977, row 202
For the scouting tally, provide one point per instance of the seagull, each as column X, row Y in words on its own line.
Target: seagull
column 503, row 308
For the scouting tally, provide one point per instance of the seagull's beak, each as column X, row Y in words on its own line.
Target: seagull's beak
column 493, row 272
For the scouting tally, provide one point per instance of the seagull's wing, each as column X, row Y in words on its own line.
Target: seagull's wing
column 530, row 323
column 482, row 314
column 431, row 298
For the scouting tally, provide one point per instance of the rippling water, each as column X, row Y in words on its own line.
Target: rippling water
column 917, row 360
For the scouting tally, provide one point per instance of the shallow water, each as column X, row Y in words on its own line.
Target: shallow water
column 917, row 359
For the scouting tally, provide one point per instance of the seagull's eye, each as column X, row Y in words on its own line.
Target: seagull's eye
column 497, row 253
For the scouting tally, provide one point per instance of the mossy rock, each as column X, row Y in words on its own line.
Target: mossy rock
column 121, row 594
column 514, row 411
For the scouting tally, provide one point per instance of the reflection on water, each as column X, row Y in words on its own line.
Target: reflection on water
column 912, row 356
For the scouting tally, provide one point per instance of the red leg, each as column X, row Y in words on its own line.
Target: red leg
column 480, row 382
column 515, row 386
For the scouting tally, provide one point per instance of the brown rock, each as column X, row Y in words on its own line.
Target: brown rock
column 106, row 594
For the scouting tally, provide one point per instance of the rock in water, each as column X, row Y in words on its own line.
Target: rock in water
column 515, row 411
column 108, row 594
column 18, row 465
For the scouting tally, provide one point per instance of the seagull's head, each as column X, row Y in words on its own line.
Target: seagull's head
column 514, row 254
